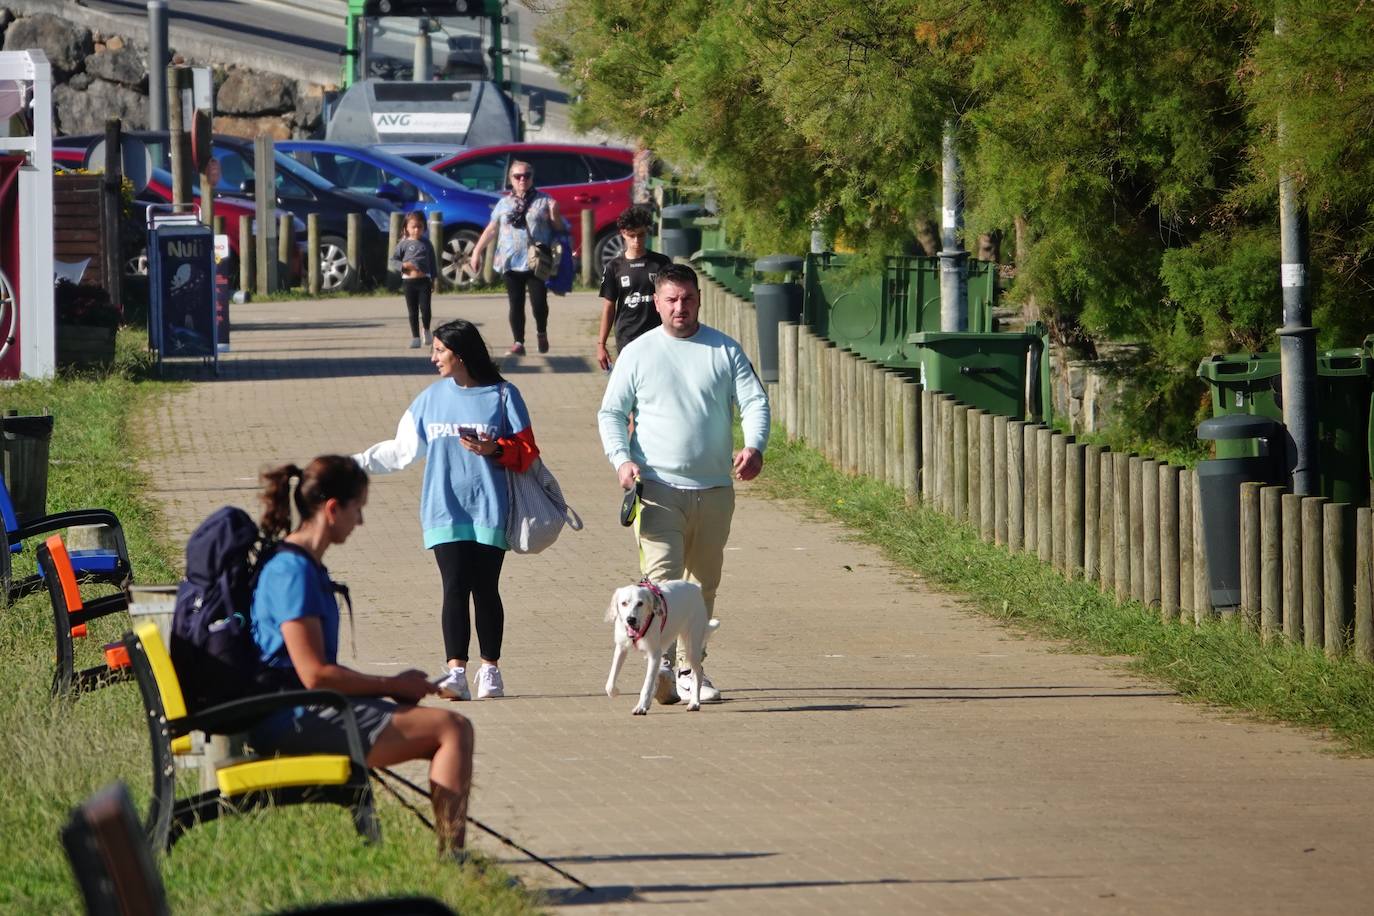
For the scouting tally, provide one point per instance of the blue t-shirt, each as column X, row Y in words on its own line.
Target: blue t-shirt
column 292, row 586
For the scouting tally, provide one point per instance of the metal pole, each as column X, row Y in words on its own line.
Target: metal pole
column 157, row 64
column 953, row 259
column 423, row 61
column 1297, row 339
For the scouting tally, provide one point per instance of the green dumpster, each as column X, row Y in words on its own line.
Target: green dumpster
column 987, row 370
column 730, row 269
column 1251, row 383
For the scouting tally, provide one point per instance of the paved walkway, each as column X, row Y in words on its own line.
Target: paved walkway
column 880, row 749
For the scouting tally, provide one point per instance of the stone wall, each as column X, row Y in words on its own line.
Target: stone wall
column 97, row 76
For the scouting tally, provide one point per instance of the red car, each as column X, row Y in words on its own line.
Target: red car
column 579, row 177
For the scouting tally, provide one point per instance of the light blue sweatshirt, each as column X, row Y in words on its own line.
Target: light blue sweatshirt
column 682, row 393
column 463, row 497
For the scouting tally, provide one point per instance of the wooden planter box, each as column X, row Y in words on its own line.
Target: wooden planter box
column 83, row 347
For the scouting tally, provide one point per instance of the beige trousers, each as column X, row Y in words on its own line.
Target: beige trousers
column 682, row 535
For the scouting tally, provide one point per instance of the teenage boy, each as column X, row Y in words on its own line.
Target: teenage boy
column 627, row 287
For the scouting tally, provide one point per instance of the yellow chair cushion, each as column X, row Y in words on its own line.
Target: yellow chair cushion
column 182, row 745
column 173, row 703
column 283, row 772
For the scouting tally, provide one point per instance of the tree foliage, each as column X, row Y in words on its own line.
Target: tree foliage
column 1135, row 140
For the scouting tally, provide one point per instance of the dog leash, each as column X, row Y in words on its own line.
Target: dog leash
column 657, row 592
column 377, row 775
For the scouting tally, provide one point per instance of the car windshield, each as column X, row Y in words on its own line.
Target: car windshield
column 360, row 163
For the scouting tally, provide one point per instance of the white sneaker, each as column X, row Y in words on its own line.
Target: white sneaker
column 665, row 688
column 414, row 343
column 709, row 693
column 454, row 685
column 428, row 338
column 489, row 682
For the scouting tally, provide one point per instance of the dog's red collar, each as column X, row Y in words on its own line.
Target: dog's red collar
column 659, row 600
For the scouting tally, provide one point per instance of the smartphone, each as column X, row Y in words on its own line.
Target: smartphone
column 467, row 432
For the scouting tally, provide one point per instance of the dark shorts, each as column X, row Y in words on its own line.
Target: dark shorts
column 320, row 730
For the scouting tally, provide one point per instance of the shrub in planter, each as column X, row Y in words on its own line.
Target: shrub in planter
column 86, row 323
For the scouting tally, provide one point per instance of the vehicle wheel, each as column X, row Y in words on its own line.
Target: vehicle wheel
column 609, row 247
column 457, row 251
column 335, row 272
column 137, row 266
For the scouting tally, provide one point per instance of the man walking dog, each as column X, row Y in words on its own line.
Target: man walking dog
column 681, row 382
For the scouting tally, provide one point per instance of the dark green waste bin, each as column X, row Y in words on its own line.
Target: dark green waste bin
column 987, row 371
column 679, row 237
column 1251, row 383
column 1219, row 483
column 775, row 303
column 25, row 464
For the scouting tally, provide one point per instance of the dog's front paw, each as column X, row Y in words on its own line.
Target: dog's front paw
column 693, row 707
column 641, row 710
column 612, row 690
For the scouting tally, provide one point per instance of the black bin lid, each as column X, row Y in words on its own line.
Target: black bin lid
column 1239, row 426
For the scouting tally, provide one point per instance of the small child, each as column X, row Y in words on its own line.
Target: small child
column 414, row 258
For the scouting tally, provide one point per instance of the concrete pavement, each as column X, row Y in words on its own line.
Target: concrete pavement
column 880, row 749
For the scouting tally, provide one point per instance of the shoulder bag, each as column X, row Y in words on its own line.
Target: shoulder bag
column 535, row 509
column 543, row 259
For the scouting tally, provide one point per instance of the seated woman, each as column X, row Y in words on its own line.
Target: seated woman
column 296, row 628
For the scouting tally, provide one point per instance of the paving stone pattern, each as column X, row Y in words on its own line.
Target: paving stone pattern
column 880, row 749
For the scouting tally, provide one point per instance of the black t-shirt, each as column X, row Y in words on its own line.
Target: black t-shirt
column 630, row 285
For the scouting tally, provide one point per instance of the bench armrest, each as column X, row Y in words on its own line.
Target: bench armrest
column 238, row 715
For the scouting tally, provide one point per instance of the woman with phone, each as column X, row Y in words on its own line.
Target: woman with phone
column 472, row 428
column 296, row 629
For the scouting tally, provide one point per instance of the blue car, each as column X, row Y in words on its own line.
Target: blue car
column 465, row 212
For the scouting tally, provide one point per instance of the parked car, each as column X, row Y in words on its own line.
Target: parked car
column 301, row 192
column 159, row 191
column 419, row 153
column 579, row 177
column 464, row 212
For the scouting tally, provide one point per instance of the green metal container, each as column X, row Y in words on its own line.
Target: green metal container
column 875, row 314
column 1251, row 383
column 730, row 269
column 986, row 370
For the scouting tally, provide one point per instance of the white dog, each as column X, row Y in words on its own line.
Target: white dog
column 650, row 617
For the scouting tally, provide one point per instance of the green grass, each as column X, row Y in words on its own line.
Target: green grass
column 56, row 753
column 1221, row 662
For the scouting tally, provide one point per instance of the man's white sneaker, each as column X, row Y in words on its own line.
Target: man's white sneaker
column 489, row 682
column 709, row 693
column 454, row 685
column 665, row 688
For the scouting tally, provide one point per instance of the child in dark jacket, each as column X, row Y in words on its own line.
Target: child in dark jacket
column 414, row 258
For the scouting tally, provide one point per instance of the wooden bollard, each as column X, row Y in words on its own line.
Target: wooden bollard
column 911, row 439
column 891, row 432
column 1044, row 494
column 435, row 230
column 1074, row 520
column 853, row 412
column 246, row 246
column 872, row 434
column 831, row 423
column 901, row 422
column 1271, row 562
column 353, row 243
column 1135, row 508
column 1149, row 540
column 863, row 403
column 1168, row 542
column 975, row 471
column 842, row 398
column 987, row 486
column 787, row 375
column 948, row 421
column 1016, row 484
column 804, row 374
column 1030, row 478
column 959, row 463
column 1313, row 573
column 1364, row 585
column 286, row 240
column 816, row 404
column 1059, row 446
column 1185, row 544
column 588, row 227
column 393, row 238
column 939, row 447
column 1106, row 521
column 312, row 244
column 881, row 443
column 1250, row 553
column 1338, row 615
column 1000, row 475
column 1290, row 511
column 927, row 472
column 1121, row 524
column 1092, row 470
column 1202, row 581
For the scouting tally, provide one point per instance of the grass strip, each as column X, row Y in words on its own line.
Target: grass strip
column 1219, row 662
column 56, row 753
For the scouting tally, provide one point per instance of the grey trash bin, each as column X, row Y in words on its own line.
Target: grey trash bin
column 775, row 303
column 1219, row 483
column 25, row 464
column 680, row 237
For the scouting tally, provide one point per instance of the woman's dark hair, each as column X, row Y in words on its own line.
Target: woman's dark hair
column 327, row 477
column 463, row 338
column 634, row 218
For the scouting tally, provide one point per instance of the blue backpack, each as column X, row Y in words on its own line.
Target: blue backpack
column 212, row 644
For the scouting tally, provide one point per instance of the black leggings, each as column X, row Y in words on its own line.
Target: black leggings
column 517, row 282
column 471, row 569
column 417, row 292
